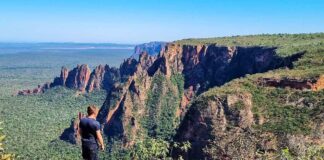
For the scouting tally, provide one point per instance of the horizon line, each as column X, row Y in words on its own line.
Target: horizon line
column 126, row 43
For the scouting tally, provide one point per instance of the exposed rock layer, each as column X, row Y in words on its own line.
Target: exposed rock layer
column 314, row 84
column 203, row 67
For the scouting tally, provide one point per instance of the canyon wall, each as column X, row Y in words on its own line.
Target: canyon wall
column 161, row 87
column 151, row 48
column 150, row 96
column 203, row 66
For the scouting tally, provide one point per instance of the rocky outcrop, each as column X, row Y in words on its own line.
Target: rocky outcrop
column 103, row 77
column 72, row 134
column 228, row 124
column 127, row 68
column 38, row 90
column 96, row 78
column 223, row 121
column 78, row 78
column 203, row 67
column 63, row 77
column 81, row 79
column 314, row 84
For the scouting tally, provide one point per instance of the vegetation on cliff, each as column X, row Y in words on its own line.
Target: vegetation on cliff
column 287, row 122
column 287, row 44
column 162, row 103
column 279, row 116
column 233, row 120
column 160, row 112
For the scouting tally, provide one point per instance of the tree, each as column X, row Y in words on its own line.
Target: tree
column 150, row 149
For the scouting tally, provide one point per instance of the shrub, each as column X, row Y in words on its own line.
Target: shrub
column 149, row 149
column 3, row 154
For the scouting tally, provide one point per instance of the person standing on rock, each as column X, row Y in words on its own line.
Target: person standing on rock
column 91, row 137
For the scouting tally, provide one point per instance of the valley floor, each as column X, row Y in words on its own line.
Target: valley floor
column 33, row 124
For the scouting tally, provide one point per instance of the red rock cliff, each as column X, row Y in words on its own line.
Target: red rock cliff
column 203, row 67
column 80, row 78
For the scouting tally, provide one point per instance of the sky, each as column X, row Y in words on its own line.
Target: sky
column 138, row 21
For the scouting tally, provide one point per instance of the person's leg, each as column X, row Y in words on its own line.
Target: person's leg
column 94, row 152
column 86, row 152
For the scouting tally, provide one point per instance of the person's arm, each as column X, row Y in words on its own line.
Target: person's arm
column 100, row 140
column 80, row 131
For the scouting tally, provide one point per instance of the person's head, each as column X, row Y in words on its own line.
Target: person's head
column 92, row 110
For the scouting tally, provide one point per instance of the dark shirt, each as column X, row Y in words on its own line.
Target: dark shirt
column 89, row 127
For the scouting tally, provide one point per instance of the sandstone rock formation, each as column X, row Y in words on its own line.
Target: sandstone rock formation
column 78, row 78
column 38, row 90
column 72, row 134
column 97, row 76
column 81, row 79
column 314, row 84
column 223, row 120
column 202, row 66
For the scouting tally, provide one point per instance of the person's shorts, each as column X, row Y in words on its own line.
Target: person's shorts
column 89, row 151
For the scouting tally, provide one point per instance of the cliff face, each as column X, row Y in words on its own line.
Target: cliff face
column 224, row 120
column 150, row 97
column 254, row 122
column 151, row 48
column 162, row 86
column 77, row 78
column 203, row 66
column 80, row 78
